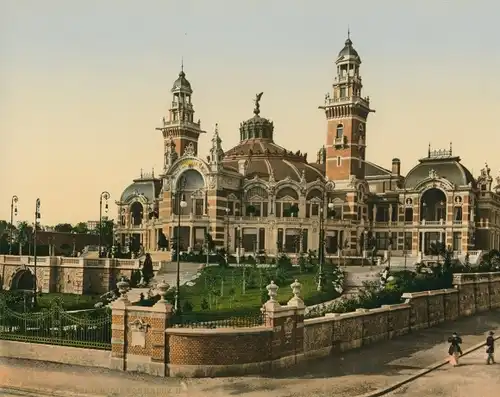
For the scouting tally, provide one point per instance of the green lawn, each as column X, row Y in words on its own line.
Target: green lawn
column 69, row 301
column 222, row 289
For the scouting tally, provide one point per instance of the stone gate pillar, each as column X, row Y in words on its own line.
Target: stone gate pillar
column 287, row 323
column 138, row 334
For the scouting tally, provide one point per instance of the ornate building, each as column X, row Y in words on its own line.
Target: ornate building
column 260, row 196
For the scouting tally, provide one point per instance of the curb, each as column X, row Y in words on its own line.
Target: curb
column 425, row 371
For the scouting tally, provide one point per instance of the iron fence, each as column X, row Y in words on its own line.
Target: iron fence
column 55, row 326
column 207, row 321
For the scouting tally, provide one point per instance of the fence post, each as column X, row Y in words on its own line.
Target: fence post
column 118, row 327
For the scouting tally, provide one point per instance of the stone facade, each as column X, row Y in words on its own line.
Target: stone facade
column 242, row 197
column 286, row 338
column 65, row 275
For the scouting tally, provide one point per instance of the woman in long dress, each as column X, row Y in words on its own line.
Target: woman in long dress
column 454, row 351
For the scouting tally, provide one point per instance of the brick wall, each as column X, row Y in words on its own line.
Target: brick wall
column 285, row 338
column 473, row 292
column 142, row 340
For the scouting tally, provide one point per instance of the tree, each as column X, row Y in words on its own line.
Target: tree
column 106, row 228
column 24, row 233
column 162, row 241
column 63, row 228
column 81, row 228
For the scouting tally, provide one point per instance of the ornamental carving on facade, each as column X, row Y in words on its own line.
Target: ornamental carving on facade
column 212, row 181
column 189, row 150
column 288, row 329
column 433, row 174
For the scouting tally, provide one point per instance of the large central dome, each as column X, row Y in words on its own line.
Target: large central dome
column 265, row 157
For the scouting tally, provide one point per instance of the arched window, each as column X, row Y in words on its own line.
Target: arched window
column 256, row 201
column 136, row 214
column 190, row 185
column 313, row 203
column 340, row 131
column 287, row 202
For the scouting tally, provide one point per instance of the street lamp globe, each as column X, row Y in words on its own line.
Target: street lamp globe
column 227, row 211
column 183, row 204
column 330, row 206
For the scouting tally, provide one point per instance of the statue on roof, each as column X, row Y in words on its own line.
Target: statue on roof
column 257, row 103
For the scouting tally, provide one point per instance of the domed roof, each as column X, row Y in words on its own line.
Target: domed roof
column 182, row 84
column 148, row 187
column 348, row 50
column 256, row 127
column 265, row 158
column 448, row 167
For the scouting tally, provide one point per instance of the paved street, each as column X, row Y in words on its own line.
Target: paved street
column 347, row 375
column 471, row 378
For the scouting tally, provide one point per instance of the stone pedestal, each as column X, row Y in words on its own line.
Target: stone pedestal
column 287, row 323
column 138, row 337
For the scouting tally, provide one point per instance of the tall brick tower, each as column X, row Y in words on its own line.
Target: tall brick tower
column 346, row 113
column 180, row 131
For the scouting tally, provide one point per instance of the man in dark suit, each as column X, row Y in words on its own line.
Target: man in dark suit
column 490, row 348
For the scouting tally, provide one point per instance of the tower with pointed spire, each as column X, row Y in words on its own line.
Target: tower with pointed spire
column 180, row 131
column 346, row 114
column 216, row 152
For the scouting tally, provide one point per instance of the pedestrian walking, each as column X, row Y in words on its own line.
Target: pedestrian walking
column 455, row 351
column 490, row 349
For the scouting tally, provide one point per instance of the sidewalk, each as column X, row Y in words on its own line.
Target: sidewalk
column 355, row 372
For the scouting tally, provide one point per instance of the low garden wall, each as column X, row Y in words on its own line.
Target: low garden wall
column 285, row 338
column 144, row 339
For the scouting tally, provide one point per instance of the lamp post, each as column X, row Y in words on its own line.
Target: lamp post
column 13, row 212
column 37, row 219
column 227, row 235
column 321, row 253
column 181, row 203
column 104, row 195
column 239, row 245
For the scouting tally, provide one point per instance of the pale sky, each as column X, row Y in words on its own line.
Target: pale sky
column 84, row 83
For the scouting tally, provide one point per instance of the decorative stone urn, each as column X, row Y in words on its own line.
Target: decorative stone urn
column 162, row 287
column 272, row 290
column 123, row 287
column 296, row 288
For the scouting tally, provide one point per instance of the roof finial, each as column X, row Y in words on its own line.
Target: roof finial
column 182, row 64
column 141, row 172
column 153, row 172
column 348, row 32
column 257, row 103
column 451, row 148
column 429, row 150
column 216, row 128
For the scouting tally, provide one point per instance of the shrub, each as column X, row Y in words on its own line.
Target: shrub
column 284, row 261
column 187, row 307
column 251, row 282
column 147, row 269
column 204, row 304
column 135, row 279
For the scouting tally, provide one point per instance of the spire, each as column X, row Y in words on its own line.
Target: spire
column 216, row 152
